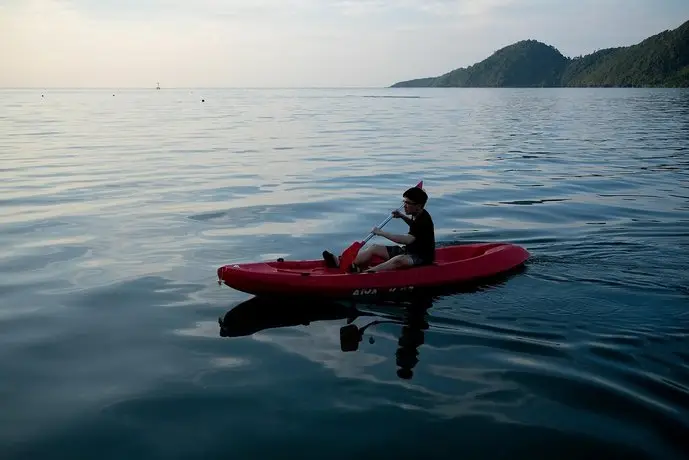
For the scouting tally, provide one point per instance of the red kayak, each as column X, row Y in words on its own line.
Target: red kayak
column 453, row 265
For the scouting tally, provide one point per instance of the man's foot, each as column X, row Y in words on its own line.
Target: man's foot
column 330, row 260
column 354, row 268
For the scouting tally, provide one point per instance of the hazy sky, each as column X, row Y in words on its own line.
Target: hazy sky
column 258, row 43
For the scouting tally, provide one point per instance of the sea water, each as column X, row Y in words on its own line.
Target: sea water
column 117, row 207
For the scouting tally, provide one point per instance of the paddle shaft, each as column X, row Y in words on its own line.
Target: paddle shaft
column 381, row 225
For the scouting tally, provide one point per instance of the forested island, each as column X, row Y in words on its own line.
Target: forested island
column 661, row 60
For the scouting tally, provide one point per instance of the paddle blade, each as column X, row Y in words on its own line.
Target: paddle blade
column 349, row 254
column 350, row 336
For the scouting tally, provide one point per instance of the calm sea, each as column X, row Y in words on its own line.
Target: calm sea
column 117, row 207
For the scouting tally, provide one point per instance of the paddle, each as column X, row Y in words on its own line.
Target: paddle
column 349, row 254
column 351, row 335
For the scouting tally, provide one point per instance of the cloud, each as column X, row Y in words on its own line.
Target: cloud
column 77, row 47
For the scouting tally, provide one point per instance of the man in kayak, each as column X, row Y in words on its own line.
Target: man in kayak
column 418, row 245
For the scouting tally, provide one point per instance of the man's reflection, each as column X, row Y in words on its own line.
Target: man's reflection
column 257, row 314
column 414, row 323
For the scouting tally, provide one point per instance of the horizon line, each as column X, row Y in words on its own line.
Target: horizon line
column 146, row 88
column 153, row 88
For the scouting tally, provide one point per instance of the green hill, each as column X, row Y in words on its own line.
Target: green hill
column 660, row 60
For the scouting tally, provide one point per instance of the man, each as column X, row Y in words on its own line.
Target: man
column 418, row 245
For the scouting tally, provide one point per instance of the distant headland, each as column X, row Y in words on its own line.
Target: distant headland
column 661, row 60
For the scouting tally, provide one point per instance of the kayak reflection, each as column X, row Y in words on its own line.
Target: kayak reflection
column 261, row 313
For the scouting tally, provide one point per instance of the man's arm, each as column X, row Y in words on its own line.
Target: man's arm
column 406, row 219
column 399, row 215
column 401, row 239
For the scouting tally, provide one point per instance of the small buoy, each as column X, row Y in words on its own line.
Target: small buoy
column 371, row 340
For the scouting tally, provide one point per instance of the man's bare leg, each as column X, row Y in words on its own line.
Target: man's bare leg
column 397, row 262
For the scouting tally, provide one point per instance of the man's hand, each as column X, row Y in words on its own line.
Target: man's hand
column 396, row 214
column 401, row 239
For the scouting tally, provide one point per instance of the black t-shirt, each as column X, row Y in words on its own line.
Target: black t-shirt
column 422, row 229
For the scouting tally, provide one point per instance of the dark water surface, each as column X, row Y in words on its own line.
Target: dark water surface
column 116, row 208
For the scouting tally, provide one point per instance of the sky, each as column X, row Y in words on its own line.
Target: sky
column 296, row 43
